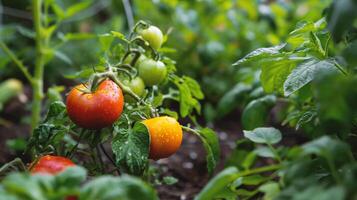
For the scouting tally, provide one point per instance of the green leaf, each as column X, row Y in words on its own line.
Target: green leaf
column 105, row 41
column 85, row 73
column 341, row 16
column 274, row 74
column 57, row 109
column 232, row 98
column 169, row 180
column 187, row 100
column 264, row 152
column 76, row 8
column 114, row 188
column 211, row 144
column 307, row 27
column 256, row 112
column 266, row 135
column 270, row 190
column 62, row 56
column 260, row 54
column 78, row 36
column 131, row 148
column 195, row 88
column 119, row 35
column 218, row 184
column 304, row 73
column 328, row 148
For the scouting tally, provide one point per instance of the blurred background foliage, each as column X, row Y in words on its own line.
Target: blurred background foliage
column 208, row 35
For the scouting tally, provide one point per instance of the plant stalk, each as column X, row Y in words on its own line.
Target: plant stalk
column 37, row 85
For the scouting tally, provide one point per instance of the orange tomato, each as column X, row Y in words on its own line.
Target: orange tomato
column 165, row 136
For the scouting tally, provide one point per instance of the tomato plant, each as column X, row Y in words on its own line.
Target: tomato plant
column 124, row 107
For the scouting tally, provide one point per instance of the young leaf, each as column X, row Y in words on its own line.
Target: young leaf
column 131, row 148
column 211, row 144
column 305, row 73
column 264, row 135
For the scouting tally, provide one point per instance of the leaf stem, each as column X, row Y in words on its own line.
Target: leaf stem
column 339, row 67
column 16, row 60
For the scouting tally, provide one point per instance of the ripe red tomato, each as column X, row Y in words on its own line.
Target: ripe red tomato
column 98, row 109
column 51, row 165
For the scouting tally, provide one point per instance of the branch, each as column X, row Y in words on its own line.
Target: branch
column 16, row 60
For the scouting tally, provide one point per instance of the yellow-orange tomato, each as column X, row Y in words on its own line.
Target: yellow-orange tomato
column 165, row 136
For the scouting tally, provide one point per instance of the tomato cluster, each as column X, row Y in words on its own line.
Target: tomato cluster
column 96, row 107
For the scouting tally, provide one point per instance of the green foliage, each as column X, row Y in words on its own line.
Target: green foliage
column 21, row 186
column 130, row 147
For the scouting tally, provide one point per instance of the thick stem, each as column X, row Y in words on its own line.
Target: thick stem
column 37, row 85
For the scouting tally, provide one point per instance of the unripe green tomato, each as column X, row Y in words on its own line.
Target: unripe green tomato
column 136, row 85
column 153, row 36
column 152, row 72
column 130, row 58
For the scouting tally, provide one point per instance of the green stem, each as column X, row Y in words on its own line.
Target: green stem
column 37, row 85
column 16, row 60
column 259, row 170
column 16, row 162
column 277, row 156
column 339, row 67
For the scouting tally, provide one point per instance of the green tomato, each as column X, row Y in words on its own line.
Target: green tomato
column 136, row 85
column 152, row 72
column 153, row 36
column 130, row 58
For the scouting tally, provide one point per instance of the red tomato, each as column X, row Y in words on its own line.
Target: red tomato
column 51, row 165
column 98, row 109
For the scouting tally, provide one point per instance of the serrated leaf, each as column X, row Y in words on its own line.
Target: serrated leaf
column 56, row 109
column 211, row 144
column 131, row 148
column 304, row 73
column 266, row 135
column 195, row 88
column 260, row 54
